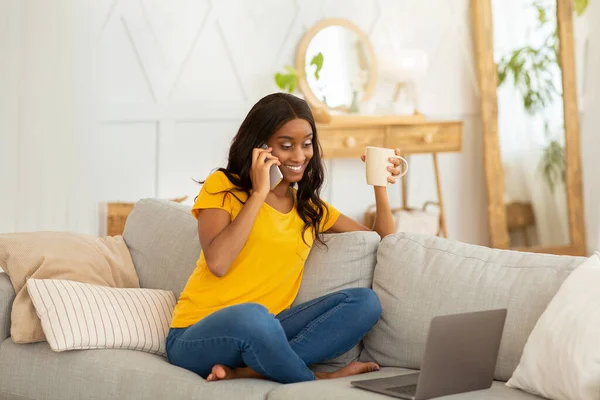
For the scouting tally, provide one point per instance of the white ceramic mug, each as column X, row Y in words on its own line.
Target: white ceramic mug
column 377, row 161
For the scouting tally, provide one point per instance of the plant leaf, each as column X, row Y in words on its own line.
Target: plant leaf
column 501, row 76
column 317, row 61
column 289, row 81
column 580, row 7
column 286, row 82
column 553, row 164
column 291, row 70
column 541, row 14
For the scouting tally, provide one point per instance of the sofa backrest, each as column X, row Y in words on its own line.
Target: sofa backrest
column 419, row 277
column 162, row 237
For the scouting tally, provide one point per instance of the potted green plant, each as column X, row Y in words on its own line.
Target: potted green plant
column 288, row 80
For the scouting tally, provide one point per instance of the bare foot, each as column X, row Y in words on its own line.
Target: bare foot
column 354, row 368
column 221, row 372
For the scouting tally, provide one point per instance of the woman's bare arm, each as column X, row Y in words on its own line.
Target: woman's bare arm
column 221, row 239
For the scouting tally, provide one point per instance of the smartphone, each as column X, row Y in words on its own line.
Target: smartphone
column 275, row 174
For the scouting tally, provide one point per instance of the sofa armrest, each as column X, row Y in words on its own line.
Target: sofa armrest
column 7, row 295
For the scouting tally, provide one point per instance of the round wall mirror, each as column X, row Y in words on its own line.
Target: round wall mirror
column 336, row 66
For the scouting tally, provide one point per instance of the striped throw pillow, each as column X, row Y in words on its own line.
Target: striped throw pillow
column 78, row 316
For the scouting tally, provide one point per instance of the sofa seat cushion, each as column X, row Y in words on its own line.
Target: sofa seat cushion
column 341, row 389
column 418, row 277
column 34, row 371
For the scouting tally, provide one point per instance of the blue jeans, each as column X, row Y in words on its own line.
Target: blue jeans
column 278, row 347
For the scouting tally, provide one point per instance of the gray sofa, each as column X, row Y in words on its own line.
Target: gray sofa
column 416, row 278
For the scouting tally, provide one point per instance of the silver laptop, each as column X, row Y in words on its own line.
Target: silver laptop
column 460, row 356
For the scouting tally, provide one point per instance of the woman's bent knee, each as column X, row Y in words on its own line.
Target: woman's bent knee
column 246, row 310
column 369, row 302
column 252, row 320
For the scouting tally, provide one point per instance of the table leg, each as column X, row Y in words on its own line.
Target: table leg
column 439, row 192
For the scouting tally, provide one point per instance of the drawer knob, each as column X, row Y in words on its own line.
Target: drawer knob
column 350, row 142
column 428, row 138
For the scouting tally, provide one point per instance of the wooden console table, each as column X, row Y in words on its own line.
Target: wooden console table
column 347, row 137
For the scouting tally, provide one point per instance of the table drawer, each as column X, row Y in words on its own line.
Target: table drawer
column 429, row 138
column 349, row 142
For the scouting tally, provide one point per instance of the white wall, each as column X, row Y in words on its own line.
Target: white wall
column 9, row 80
column 171, row 81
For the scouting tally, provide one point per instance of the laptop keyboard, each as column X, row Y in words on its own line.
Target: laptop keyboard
column 408, row 389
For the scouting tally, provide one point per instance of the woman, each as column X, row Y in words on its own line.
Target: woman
column 233, row 318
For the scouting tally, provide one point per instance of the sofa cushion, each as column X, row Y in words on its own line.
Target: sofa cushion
column 347, row 261
column 562, row 356
column 7, row 296
column 80, row 316
column 162, row 237
column 36, row 372
column 418, row 277
column 341, row 389
column 102, row 261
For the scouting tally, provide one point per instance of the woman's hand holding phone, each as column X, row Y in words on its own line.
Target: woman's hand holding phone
column 262, row 160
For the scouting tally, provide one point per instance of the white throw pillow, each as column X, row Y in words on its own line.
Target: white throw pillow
column 77, row 316
column 561, row 359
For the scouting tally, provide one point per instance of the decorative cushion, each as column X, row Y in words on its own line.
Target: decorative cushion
column 418, row 277
column 347, row 261
column 77, row 316
column 561, row 359
column 78, row 257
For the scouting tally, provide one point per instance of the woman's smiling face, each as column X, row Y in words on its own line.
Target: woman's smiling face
column 293, row 145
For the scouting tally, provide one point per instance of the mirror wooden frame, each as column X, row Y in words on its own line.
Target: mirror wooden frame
column 310, row 97
column 487, row 80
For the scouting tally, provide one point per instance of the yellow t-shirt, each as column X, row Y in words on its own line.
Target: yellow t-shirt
column 267, row 271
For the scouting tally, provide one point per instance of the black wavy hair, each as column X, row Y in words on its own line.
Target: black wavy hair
column 264, row 119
